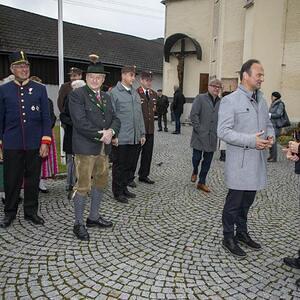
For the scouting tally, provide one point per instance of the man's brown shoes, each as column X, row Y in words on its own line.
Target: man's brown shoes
column 203, row 187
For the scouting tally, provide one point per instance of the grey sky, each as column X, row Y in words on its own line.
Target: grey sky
column 136, row 17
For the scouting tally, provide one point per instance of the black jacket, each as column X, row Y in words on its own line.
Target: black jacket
column 178, row 102
column 51, row 111
column 88, row 119
column 66, row 120
column 162, row 104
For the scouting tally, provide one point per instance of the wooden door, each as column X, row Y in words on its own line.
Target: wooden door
column 203, row 85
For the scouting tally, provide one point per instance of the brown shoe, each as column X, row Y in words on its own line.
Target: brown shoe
column 193, row 177
column 203, row 187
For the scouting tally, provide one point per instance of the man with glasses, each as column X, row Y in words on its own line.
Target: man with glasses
column 204, row 118
column 25, row 136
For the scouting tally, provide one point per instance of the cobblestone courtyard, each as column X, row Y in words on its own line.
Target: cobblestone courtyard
column 165, row 244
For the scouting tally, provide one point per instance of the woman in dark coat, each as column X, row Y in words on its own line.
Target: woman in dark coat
column 276, row 112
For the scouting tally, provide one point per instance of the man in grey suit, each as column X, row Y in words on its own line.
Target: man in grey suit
column 204, row 118
column 94, row 126
column 245, row 126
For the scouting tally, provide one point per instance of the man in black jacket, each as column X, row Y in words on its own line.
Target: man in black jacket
column 162, row 104
column 178, row 102
column 66, row 120
column 94, row 126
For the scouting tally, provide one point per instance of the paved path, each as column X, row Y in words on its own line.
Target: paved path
column 164, row 245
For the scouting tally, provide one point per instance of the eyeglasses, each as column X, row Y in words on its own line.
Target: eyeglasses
column 22, row 66
column 216, row 86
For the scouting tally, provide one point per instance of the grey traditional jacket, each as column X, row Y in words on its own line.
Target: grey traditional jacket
column 240, row 118
column 88, row 119
column 128, row 109
column 204, row 118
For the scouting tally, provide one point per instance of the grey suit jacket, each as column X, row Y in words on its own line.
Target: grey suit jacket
column 204, row 118
column 240, row 118
column 129, row 111
column 88, row 119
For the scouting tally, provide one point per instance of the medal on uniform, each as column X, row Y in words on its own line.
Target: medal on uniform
column 37, row 108
column 33, row 108
column 30, row 91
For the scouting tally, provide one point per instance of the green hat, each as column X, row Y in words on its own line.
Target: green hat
column 95, row 66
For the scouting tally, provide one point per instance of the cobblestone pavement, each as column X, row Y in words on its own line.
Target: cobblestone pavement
column 165, row 244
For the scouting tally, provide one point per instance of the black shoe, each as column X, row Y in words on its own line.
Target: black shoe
column 3, row 200
column 35, row 219
column 232, row 246
column 121, row 198
column 244, row 238
column 159, row 129
column 297, row 282
column 81, row 232
column 70, row 194
column 292, row 262
column 98, row 223
column 132, row 184
column 175, row 132
column 223, row 155
column 146, row 180
column 44, row 191
column 69, row 188
column 128, row 194
column 7, row 220
column 166, row 130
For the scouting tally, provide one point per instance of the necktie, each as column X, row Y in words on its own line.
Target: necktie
column 98, row 96
column 147, row 95
column 254, row 96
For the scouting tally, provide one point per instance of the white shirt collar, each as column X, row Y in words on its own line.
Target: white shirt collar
column 125, row 87
column 145, row 90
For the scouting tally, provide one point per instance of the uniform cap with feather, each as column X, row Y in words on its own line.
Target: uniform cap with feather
column 95, row 65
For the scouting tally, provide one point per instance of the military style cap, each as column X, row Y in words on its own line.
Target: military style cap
column 18, row 57
column 146, row 75
column 75, row 70
column 95, row 66
column 129, row 69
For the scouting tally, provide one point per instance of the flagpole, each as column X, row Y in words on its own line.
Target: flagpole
column 61, row 68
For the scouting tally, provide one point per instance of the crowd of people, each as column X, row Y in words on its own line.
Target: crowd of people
column 119, row 125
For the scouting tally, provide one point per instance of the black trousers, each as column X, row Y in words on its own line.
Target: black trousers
column 146, row 152
column 19, row 165
column 123, row 159
column 164, row 117
column 235, row 212
column 146, row 156
column 205, row 165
